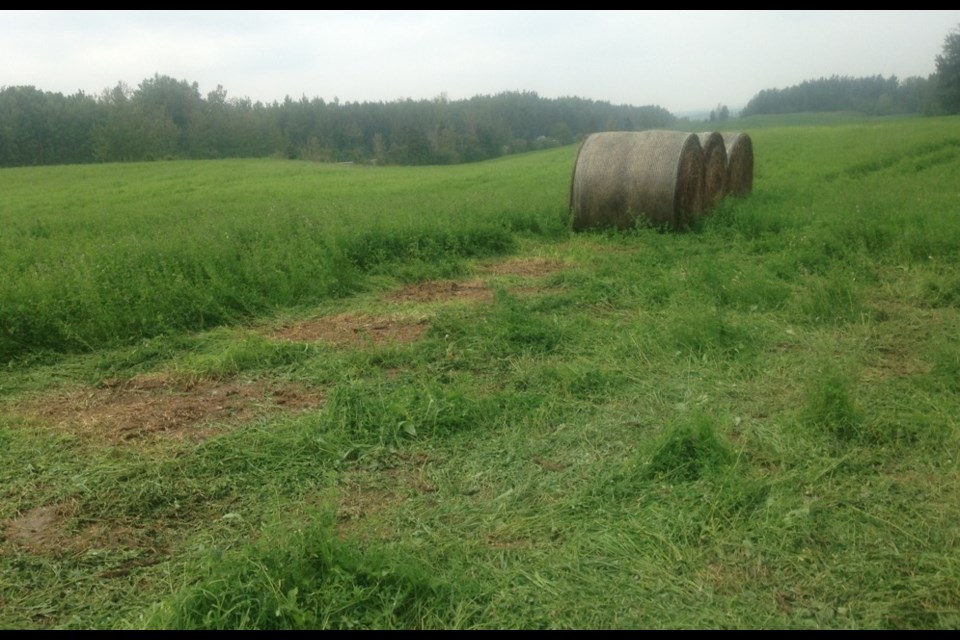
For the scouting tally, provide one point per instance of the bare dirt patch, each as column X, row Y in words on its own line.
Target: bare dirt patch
column 366, row 494
column 355, row 330
column 359, row 330
column 528, row 267
column 53, row 530
column 38, row 530
column 476, row 290
column 149, row 406
column 443, row 290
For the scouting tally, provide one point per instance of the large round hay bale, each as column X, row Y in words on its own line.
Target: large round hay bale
column 739, row 163
column 715, row 168
column 622, row 177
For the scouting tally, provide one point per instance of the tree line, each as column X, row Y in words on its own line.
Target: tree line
column 938, row 93
column 168, row 118
column 874, row 95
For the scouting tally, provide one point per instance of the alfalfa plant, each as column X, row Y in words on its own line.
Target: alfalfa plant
column 689, row 450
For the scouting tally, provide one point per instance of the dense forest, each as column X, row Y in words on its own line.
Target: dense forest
column 169, row 118
column 871, row 95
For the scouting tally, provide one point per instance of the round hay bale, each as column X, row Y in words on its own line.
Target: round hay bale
column 715, row 168
column 620, row 177
column 739, row 163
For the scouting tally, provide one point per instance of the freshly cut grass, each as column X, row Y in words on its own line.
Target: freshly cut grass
column 739, row 148
column 309, row 579
column 622, row 178
column 715, row 168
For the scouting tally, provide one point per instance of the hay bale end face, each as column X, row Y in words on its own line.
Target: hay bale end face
column 715, row 168
column 622, row 177
column 739, row 163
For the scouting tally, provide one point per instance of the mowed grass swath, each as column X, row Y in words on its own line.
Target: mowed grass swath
column 106, row 254
column 751, row 423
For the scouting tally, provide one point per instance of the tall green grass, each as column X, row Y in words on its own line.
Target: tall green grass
column 105, row 255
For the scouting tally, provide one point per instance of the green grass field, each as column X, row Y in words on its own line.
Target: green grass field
column 273, row 394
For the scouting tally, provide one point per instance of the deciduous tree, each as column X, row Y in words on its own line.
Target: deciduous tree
column 948, row 73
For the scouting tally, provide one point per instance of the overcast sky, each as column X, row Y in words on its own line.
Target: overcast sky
column 683, row 61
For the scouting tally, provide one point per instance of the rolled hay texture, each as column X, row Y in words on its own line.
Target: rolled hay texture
column 620, row 177
column 715, row 168
column 739, row 163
